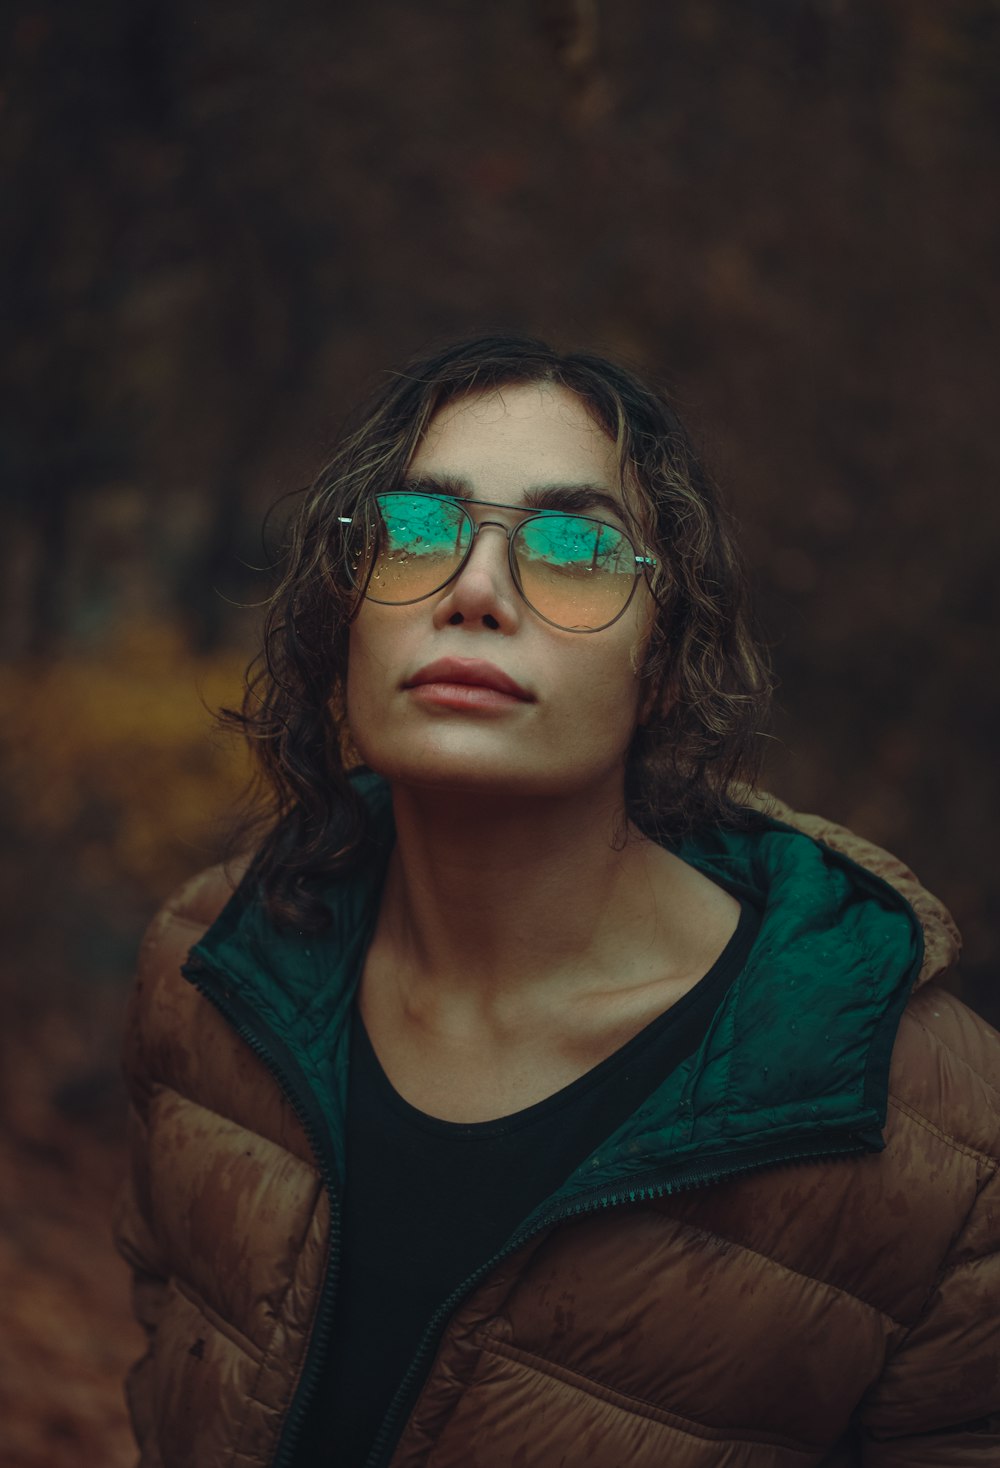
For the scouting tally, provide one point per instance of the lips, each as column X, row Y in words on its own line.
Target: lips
column 471, row 672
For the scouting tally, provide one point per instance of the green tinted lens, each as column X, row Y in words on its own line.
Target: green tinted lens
column 576, row 572
column 418, row 542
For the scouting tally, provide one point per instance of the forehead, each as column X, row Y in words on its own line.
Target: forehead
column 504, row 440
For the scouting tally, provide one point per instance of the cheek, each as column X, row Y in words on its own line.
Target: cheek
column 609, row 693
column 638, row 650
column 367, row 674
column 355, row 665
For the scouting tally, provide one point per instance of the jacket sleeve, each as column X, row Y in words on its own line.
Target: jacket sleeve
column 134, row 1226
column 155, row 1034
column 145, row 1040
column 937, row 1404
column 135, row 1242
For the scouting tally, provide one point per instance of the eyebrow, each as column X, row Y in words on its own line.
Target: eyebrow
column 554, row 496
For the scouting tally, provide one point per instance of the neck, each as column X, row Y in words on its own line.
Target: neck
column 491, row 902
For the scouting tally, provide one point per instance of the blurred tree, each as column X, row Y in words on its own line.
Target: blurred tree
column 229, row 221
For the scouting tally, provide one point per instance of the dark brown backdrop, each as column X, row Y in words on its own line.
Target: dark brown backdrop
column 228, row 217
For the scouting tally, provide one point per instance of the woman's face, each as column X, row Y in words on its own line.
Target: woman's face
column 571, row 731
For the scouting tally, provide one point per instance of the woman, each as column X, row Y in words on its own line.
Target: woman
column 542, row 1095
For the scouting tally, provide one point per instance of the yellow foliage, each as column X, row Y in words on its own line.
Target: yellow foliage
column 116, row 755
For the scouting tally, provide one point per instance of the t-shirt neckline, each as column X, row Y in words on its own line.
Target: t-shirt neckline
column 708, row 989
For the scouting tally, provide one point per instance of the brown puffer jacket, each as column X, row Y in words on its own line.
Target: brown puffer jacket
column 746, row 1278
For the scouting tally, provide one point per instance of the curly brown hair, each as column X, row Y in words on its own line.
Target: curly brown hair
column 706, row 675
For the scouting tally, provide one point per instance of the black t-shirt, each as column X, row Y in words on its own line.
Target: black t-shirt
column 427, row 1201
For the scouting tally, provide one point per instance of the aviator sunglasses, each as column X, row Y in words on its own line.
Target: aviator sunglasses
column 575, row 572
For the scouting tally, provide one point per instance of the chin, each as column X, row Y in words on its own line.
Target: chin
column 470, row 775
column 478, row 774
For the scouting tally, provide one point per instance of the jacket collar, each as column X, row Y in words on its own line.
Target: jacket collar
column 798, row 1052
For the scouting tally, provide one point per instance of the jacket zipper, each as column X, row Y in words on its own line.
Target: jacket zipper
column 214, row 985
column 388, row 1435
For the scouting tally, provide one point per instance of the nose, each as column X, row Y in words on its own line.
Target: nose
column 483, row 593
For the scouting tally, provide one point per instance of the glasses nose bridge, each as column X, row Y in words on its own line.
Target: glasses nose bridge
column 508, row 530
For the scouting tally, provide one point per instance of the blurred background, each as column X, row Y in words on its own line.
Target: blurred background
column 225, row 221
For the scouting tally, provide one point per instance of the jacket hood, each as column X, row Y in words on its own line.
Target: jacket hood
column 794, row 1063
